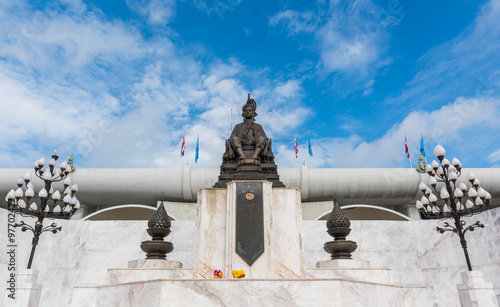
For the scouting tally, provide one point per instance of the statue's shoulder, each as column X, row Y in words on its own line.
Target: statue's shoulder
column 258, row 126
column 236, row 129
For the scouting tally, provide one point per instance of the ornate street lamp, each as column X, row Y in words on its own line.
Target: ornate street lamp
column 455, row 201
column 51, row 204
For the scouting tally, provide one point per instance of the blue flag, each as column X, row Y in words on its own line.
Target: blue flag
column 309, row 145
column 197, row 149
column 422, row 151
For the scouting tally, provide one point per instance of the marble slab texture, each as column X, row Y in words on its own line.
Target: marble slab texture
column 417, row 255
column 253, row 292
column 28, row 290
column 473, row 291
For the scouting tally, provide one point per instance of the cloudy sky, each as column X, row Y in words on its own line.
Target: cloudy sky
column 118, row 83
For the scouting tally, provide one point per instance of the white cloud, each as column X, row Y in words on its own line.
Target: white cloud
column 217, row 7
column 43, row 40
column 349, row 123
column 458, row 126
column 464, row 66
column 158, row 12
column 353, row 39
column 288, row 89
column 494, row 156
column 127, row 104
column 96, row 88
column 164, row 113
column 295, row 22
column 350, row 36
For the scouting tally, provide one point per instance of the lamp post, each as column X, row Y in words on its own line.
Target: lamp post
column 455, row 201
column 62, row 207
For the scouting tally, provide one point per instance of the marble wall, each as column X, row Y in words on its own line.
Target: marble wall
column 416, row 253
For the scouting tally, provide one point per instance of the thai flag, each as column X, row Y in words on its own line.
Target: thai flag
column 295, row 146
column 406, row 148
column 183, row 147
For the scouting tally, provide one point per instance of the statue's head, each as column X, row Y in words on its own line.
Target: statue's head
column 251, row 104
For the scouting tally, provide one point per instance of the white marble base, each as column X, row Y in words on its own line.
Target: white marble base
column 474, row 292
column 154, row 264
column 28, row 291
column 379, row 276
column 349, row 269
column 416, row 253
column 215, row 240
column 255, row 292
column 149, row 269
column 120, row 276
column 343, row 264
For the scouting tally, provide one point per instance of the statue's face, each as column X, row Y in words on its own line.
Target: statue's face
column 248, row 112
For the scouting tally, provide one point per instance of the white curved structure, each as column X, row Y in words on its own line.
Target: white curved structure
column 385, row 212
column 123, row 212
column 386, row 187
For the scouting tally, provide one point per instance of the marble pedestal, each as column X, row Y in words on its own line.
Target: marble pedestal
column 283, row 255
column 148, row 269
column 277, row 278
column 475, row 292
column 27, row 290
column 336, row 292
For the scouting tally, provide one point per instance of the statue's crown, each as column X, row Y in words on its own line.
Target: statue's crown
column 250, row 102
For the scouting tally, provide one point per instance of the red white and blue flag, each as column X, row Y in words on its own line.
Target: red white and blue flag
column 407, row 151
column 406, row 148
column 183, row 147
column 295, row 146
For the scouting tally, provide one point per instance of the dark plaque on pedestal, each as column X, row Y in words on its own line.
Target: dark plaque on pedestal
column 249, row 221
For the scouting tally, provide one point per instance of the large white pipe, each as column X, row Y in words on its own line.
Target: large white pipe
column 383, row 186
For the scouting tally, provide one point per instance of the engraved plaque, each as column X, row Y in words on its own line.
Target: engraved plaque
column 249, row 221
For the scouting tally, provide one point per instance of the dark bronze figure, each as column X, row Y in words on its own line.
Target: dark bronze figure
column 248, row 154
column 248, row 133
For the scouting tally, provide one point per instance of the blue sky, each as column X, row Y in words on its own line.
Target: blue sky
column 118, row 83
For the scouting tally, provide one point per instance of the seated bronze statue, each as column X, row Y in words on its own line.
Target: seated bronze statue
column 248, row 152
column 248, row 136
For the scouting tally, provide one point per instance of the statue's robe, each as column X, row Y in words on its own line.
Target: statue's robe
column 248, row 134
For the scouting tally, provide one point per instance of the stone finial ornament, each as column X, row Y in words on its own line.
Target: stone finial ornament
column 159, row 219
column 338, row 227
column 158, row 228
